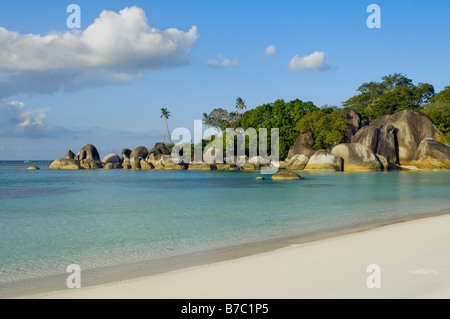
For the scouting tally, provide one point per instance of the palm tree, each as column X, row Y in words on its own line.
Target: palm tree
column 166, row 114
column 240, row 104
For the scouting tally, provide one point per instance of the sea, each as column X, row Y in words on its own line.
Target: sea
column 107, row 219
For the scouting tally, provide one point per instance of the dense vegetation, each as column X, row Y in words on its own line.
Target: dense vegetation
column 327, row 124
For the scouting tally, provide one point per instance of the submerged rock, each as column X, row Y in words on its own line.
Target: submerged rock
column 286, row 176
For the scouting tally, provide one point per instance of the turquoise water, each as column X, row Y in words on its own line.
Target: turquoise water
column 94, row 218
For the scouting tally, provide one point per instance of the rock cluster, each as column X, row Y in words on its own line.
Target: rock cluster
column 404, row 139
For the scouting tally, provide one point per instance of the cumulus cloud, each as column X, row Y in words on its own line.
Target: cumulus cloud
column 18, row 121
column 270, row 50
column 223, row 62
column 315, row 60
column 117, row 47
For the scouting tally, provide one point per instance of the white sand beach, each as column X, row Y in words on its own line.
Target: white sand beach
column 414, row 259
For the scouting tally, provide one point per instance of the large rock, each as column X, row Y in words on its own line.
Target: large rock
column 432, row 154
column 380, row 140
column 298, row 149
column 91, row 164
column 145, row 165
column 135, row 162
column 367, row 136
column 412, row 127
column 70, row 155
column 357, row 157
column 112, row 158
column 286, row 176
column 354, row 124
column 213, row 155
column 140, row 151
column 159, row 149
column 297, row 162
column 324, row 161
column 306, row 138
column 64, row 163
column 88, row 152
column 167, row 162
column 126, row 153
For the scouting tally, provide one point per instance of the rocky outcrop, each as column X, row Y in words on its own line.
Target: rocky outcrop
column 380, row 140
column 354, row 124
column 70, row 155
column 357, row 157
column 88, row 152
column 324, row 161
column 64, row 163
column 286, row 176
column 33, row 168
column 297, row 162
column 202, row 167
column 411, row 128
column 432, row 154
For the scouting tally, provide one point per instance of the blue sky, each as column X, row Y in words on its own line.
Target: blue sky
column 106, row 83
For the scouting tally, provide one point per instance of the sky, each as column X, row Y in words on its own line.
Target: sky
column 106, row 82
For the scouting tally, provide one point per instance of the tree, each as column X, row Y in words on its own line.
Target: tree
column 438, row 110
column 166, row 114
column 327, row 126
column 395, row 93
column 240, row 104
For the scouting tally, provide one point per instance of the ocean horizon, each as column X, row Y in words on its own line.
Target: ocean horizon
column 108, row 218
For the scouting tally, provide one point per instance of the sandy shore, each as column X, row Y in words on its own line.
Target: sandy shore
column 414, row 261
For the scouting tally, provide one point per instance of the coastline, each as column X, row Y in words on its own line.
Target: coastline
column 256, row 270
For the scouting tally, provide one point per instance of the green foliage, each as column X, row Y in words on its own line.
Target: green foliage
column 327, row 125
column 395, row 93
column 438, row 110
column 281, row 115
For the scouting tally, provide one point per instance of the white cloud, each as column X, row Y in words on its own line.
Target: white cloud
column 223, row 62
column 313, row 61
column 115, row 48
column 270, row 50
column 16, row 120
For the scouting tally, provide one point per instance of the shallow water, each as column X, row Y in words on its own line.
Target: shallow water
column 96, row 218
